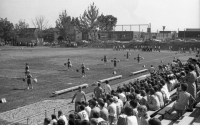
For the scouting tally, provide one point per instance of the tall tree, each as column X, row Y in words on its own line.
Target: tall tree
column 88, row 21
column 41, row 23
column 64, row 23
column 106, row 23
column 20, row 28
column 6, row 29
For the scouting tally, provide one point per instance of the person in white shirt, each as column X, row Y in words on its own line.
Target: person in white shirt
column 131, row 118
column 79, row 97
column 63, row 117
column 112, row 110
column 122, row 95
column 107, row 88
column 83, row 114
column 87, row 108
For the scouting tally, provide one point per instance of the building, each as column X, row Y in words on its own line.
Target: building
column 108, row 35
column 189, row 34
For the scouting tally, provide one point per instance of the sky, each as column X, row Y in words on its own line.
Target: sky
column 174, row 14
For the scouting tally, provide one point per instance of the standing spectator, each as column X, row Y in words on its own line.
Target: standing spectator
column 63, row 117
column 131, row 118
column 142, row 114
column 190, row 79
column 104, row 111
column 46, row 121
column 97, row 117
column 107, row 88
column 93, row 106
column 118, row 105
column 83, row 114
column 98, row 91
column 112, row 109
column 53, row 119
column 122, row 95
column 79, row 96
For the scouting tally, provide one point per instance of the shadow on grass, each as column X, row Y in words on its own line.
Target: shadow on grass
column 19, row 89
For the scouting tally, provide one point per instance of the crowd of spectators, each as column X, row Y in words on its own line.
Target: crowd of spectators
column 129, row 103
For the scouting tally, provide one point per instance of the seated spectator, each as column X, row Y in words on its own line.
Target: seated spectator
column 159, row 95
column 47, row 121
column 96, row 117
column 143, row 101
column 53, row 119
column 85, row 122
column 83, row 114
column 154, row 103
column 154, row 121
column 118, row 105
column 104, row 111
column 131, row 118
column 94, row 108
column 62, row 116
column 142, row 114
column 122, row 95
column 165, row 90
column 93, row 122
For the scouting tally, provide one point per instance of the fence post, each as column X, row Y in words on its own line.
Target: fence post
column 45, row 113
column 27, row 120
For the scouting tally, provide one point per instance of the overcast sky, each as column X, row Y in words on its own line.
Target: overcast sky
column 173, row 14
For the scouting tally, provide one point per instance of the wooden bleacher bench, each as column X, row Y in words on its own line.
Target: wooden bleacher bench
column 167, row 108
column 69, row 89
column 186, row 120
column 110, row 79
column 138, row 72
column 198, row 105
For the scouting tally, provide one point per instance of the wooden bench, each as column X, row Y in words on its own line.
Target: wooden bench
column 138, row 72
column 186, row 120
column 111, row 78
column 167, row 108
column 69, row 89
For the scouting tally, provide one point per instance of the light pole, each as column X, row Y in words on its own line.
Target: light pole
column 163, row 31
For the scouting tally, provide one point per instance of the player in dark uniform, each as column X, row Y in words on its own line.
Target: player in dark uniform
column 138, row 58
column 26, row 69
column 104, row 59
column 83, row 70
column 69, row 64
column 115, row 62
column 29, row 80
column 127, row 55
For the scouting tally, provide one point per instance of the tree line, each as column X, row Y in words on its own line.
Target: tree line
column 89, row 21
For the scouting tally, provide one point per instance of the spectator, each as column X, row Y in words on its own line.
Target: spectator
column 104, row 111
column 107, row 88
column 62, row 116
column 47, row 121
column 142, row 114
column 61, row 122
column 134, row 104
column 152, row 69
column 143, row 101
column 79, row 96
column 159, row 95
column 53, row 119
column 118, row 105
column 85, row 122
column 94, row 108
column 154, row 121
column 122, row 95
column 96, row 117
column 87, row 108
column 112, row 109
column 183, row 99
column 131, row 118
column 98, row 91
column 165, row 90
column 83, row 114
column 154, row 103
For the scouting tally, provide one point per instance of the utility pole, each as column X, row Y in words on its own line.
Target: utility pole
column 163, row 31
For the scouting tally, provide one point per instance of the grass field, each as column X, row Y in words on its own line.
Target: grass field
column 47, row 65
